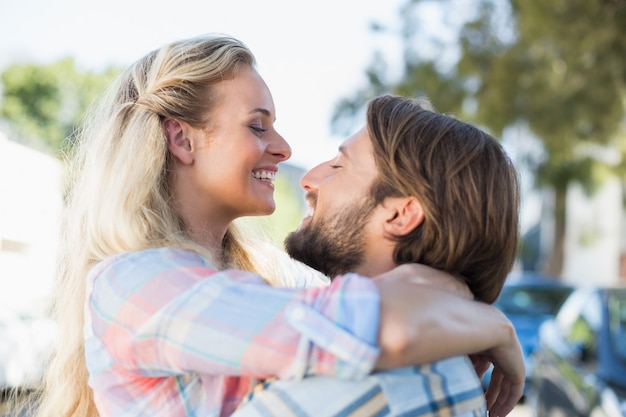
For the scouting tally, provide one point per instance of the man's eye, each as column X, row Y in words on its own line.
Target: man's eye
column 258, row 130
column 335, row 162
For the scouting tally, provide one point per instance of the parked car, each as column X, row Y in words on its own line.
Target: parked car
column 529, row 299
column 25, row 347
column 580, row 364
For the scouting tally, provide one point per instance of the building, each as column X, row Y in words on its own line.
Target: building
column 30, row 209
column 595, row 242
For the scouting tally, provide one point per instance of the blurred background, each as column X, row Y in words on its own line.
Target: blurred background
column 546, row 78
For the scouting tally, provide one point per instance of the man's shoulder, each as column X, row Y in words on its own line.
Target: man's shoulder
column 424, row 390
column 447, row 387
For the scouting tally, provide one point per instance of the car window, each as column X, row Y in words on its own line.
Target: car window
column 531, row 300
column 584, row 328
column 617, row 322
column 571, row 309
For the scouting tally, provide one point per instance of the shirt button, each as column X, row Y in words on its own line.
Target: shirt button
column 298, row 313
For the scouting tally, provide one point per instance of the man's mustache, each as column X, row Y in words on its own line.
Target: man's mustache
column 311, row 197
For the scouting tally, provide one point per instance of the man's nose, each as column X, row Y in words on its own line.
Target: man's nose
column 311, row 180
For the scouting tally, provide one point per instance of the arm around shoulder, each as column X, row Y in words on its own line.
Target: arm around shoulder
column 184, row 312
column 421, row 324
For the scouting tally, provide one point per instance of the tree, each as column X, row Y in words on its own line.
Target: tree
column 44, row 103
column 556, row 67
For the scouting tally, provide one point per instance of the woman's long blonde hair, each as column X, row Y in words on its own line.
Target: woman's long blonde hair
column 119, row 196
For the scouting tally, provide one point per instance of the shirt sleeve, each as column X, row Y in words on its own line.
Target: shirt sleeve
column 166, row 312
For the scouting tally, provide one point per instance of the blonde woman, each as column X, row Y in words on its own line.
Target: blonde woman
column 161, row 304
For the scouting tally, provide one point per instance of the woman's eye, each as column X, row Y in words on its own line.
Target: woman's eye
column 258, row 130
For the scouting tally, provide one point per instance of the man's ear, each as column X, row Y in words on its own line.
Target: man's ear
column 178, row 142
column 405, row 214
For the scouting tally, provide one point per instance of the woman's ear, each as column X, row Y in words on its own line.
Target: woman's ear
column 178, row 142
column 405, row 215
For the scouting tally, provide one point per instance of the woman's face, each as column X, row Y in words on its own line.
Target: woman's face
column 235, row 158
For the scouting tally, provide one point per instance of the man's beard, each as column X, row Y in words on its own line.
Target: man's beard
column 333, row 246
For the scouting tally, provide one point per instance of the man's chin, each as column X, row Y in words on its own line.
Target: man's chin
column 295, row 242
column 332, row 246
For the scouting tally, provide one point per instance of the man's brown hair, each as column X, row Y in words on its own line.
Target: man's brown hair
column 466, row 183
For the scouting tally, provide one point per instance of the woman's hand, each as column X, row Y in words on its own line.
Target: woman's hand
column 429, row 315
column 506, row 385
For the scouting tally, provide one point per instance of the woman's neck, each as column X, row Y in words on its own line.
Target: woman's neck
column 209, row 238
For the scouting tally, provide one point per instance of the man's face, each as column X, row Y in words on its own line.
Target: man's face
column 334, row 236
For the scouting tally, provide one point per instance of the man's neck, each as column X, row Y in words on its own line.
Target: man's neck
column 374, row 267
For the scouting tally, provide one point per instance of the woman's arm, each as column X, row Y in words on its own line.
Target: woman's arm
column 444, row 325
column 165, row 312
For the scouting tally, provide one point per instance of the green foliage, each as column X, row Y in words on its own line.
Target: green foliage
column 288, row 215
column 565, row 77
column 349, row 108
column 45, row 102
column 289, row 211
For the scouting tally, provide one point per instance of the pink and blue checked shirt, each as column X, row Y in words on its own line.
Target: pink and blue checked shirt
column 166, row 334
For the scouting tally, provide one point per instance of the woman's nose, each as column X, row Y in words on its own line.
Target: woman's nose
column 280, row 148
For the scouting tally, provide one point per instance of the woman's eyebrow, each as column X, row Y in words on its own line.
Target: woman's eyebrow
column 261, row 110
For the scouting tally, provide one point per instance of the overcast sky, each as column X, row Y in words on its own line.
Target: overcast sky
column 310, row 53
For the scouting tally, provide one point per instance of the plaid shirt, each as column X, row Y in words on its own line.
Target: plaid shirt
column 445, row 388
column 166, row 334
